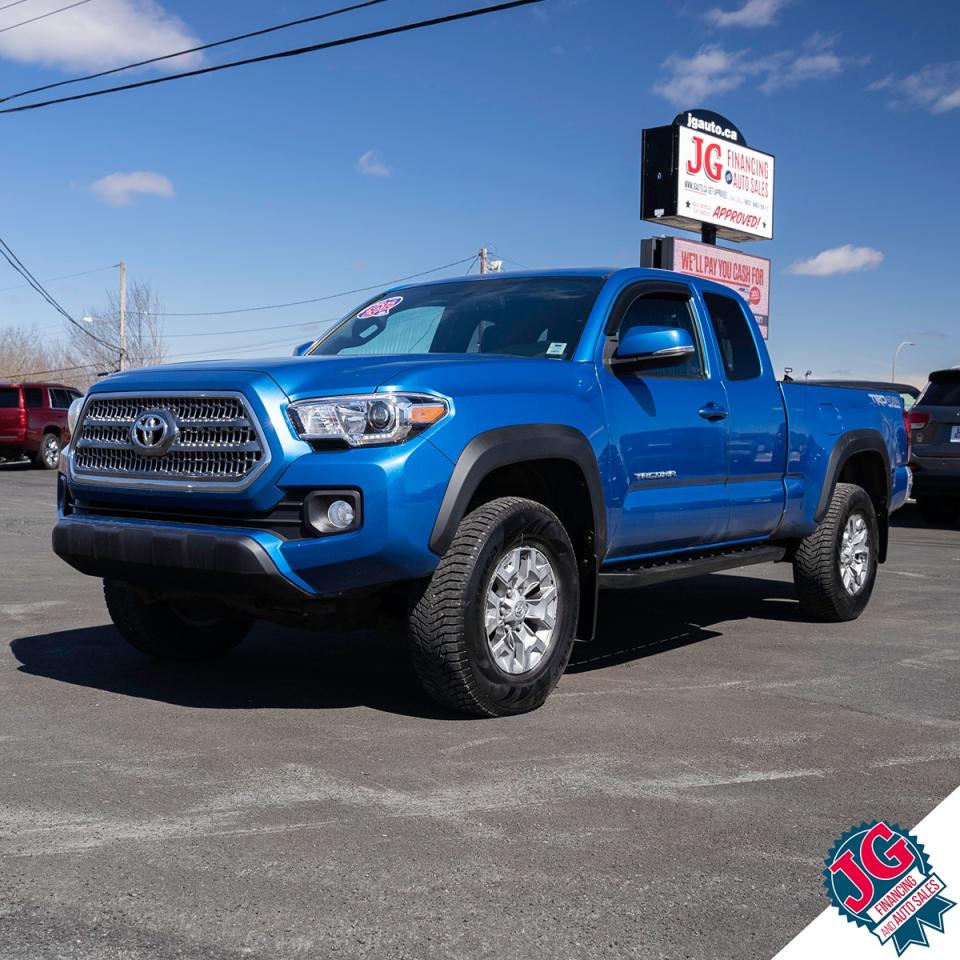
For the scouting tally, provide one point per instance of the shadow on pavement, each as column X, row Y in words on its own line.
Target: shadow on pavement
column 909, row 518
column 633, row 624
column 273, row 668
column 293, row 669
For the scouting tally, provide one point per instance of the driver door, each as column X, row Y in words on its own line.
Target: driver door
column 668, row 432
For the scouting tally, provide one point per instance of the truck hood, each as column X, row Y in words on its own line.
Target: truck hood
column 300, row 377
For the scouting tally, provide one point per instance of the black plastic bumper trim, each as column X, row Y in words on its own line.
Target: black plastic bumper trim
column 199, row 561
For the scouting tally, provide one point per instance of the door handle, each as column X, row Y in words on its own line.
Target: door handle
column 712, row 412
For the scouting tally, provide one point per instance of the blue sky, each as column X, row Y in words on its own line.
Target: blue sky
column 521, row 131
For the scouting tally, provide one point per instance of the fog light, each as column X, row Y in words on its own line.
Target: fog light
column 340, row 514
column 326, row 512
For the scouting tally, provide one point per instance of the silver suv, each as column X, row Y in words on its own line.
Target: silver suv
column 935, row 442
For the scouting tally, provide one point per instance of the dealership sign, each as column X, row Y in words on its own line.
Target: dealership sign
column 749, row 276
column 699, row 170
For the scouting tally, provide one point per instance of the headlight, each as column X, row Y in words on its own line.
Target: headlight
column 73, row 414
column 367, row 419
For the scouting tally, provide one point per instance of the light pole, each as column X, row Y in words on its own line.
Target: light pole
column 893, row 372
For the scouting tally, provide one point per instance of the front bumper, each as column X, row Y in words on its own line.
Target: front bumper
column 172, row 558
column 111, row 533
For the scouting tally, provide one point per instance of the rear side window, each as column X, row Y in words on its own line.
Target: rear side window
column 737, row 349
column 33, row 396
column 942, row 394
column 9, row 398
column 665, row 310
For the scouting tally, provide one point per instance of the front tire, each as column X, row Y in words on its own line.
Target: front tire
column 834, row 569
column 191, row 629
column 494, row 629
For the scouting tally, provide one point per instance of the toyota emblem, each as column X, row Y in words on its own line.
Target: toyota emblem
column 153, row 432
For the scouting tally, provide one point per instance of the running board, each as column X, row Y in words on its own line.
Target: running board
column 661, row 569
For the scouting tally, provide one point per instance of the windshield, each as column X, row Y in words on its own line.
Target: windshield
column 519, row 317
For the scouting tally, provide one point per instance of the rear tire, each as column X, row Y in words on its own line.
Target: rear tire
column 834, row 569
column 48, row 456
column 192, row 629
column 494, row 629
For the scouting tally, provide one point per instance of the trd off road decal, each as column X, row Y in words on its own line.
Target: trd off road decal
column 879, row 877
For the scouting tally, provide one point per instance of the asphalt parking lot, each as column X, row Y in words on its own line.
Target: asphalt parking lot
column 675, row 797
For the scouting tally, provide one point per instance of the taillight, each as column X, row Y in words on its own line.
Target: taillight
column 918, row 420
column 23, row 418
column 906, row 430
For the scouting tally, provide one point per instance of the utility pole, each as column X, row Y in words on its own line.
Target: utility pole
column 483, row 259
column 123, row 316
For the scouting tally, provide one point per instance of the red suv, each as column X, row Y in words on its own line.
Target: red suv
column 33, row 421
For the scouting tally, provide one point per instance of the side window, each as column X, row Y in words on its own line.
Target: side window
column 33, row 397
column 737, row 348
column 59, row 399
column 665, row 310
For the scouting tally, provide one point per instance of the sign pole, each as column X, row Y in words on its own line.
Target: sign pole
column 708, row 233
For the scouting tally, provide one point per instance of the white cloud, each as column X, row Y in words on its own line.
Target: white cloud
column 709, row 72
column 935, row 87
column 819, row 61
column 845, row 259
column 713, row 70
column 97, row 36
column 753, row 13
column 118, row 189
column 371, row 165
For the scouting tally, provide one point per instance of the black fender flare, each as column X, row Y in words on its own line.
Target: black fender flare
column 847, row 446
column 504, row 446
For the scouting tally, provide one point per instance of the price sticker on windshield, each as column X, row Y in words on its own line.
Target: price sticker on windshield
column 379, row 309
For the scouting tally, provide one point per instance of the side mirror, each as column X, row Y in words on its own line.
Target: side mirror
column 302, row 348
column 653, row 346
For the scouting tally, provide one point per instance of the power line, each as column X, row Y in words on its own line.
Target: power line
column 231, row 333
column 41, row 373
column 331, row 296
column 24, row 272
column 43, row 16
column 66, row 276
column 223, row 351
column 16, row 3
column 282, row 54
column 522, row 266
column 198, row 49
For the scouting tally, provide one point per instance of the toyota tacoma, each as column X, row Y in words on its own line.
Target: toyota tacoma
column 486, row 455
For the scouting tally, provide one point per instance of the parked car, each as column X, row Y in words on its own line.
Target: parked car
column 908, row 392
column 935, row 445
column 485, row 453
column 33, row 421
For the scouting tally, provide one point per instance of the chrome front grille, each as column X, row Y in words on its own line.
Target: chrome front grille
column 217, row 440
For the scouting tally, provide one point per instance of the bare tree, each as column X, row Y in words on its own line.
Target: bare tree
column 144, row 328
column 25, row 354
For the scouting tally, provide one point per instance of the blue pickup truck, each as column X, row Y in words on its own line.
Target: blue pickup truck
column 486, row 455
